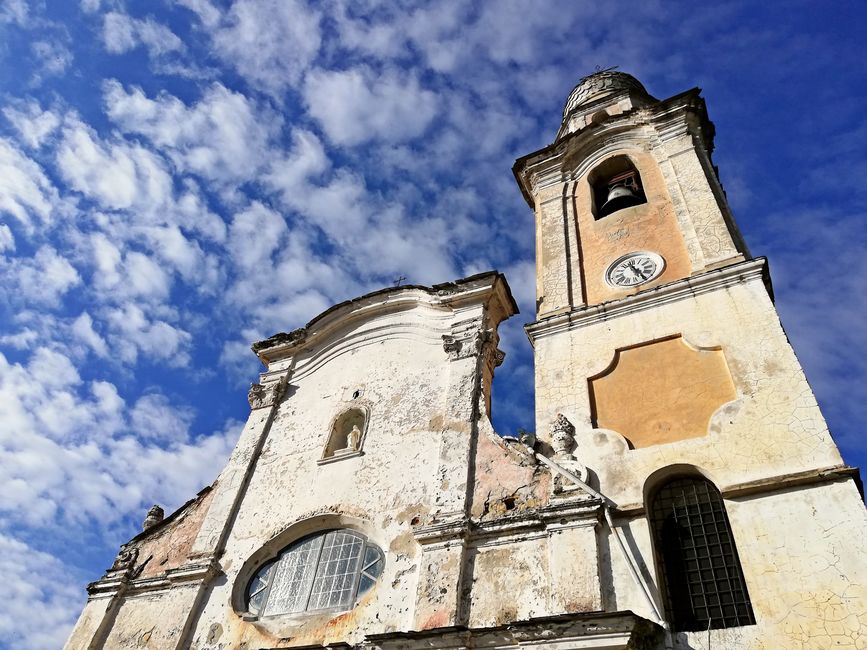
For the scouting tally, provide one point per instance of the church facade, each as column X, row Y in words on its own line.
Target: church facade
column 681, row 489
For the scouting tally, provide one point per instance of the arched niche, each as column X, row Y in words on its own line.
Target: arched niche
column 615, row 184
column 346, row 436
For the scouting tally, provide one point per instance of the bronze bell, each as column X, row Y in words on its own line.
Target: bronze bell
column 619, row 197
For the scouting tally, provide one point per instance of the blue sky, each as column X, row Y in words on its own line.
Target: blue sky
column 180, row 179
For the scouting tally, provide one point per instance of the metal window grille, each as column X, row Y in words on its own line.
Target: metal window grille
column 327, row 570
column 701, row 572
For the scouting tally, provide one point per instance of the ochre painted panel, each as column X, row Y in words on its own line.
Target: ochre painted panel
column 661, row 392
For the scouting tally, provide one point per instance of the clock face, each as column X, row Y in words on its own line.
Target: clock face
column 634, row 269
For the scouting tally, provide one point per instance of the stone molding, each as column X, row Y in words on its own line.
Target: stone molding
column 671, row 292
column 614, row 630
column 193, row 572
column 561, row 515
column 768, row 486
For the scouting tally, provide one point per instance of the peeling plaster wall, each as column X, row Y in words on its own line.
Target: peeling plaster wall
column 774, row 426
column 412, row 471
column 802, row 550
column 506, row 481
column 88, row 623
column 384, row 489
column 511, row 582
column 151, row 620
column 169, row 545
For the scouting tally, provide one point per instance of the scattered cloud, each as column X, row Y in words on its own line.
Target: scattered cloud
column 271, row 43
column 358, row 105
column 121, row 33
column 225, row 136
column 26, row 193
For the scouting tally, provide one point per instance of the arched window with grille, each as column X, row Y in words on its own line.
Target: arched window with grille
column 329, row 570
column 700, row 572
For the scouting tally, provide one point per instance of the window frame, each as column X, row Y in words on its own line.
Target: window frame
column 272, row 561
column 674, row 601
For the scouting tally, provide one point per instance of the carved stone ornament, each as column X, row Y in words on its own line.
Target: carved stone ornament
column 563, row 438
column 463, row 347
column 264, row 395
column 452, row 346
column 125, row 559
column 563, row 443
column 155, row 515
column 497, row 356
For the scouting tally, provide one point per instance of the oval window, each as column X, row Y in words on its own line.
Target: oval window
column 324, row 571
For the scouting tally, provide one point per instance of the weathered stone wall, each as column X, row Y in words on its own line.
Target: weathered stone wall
column 773, row 427
column 151, row 620
column 801, row 555
column 417, row 370
column 684, row 219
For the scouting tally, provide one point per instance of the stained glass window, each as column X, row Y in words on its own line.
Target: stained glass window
column 328, row 570
column 701, row 572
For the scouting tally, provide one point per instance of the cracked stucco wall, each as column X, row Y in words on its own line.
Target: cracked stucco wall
column 773, row 428
column 412, row 472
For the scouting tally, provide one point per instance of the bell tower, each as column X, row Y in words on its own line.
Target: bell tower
column 656, row 336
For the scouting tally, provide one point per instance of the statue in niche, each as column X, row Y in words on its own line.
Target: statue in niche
column 353, row 438
column 346, row 434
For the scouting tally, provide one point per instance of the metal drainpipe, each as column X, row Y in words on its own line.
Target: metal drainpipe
column 606, row 511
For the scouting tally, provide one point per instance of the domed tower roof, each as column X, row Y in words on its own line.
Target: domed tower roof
column 600, row 85
column 600, row 95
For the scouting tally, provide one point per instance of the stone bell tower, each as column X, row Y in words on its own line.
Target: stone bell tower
column 656, row 336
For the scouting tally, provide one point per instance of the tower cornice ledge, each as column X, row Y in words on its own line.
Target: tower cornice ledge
column 721, row 278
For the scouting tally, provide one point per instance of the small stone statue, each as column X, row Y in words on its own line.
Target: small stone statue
column 563, row 443
column 353, row 439
column 563, row 437
column 155, row 515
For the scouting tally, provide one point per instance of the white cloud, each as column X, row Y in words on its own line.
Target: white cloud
column 71, row 451
column 14, row 12
column 7, row 240
column 32, row 123
column 25, row 191
column 357, row 105
column 254, row 234
column 82, row 330
column 154, row 418
column 132, row 332
column 54, row 58
column 117, row 175
column 270, row 42
column 41, row 596
column 204, row 9
column 42, row 279
column 223, row 136
column 20, row 341
column 121, row 33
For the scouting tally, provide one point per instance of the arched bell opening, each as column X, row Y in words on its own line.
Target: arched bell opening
column 616, row 184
